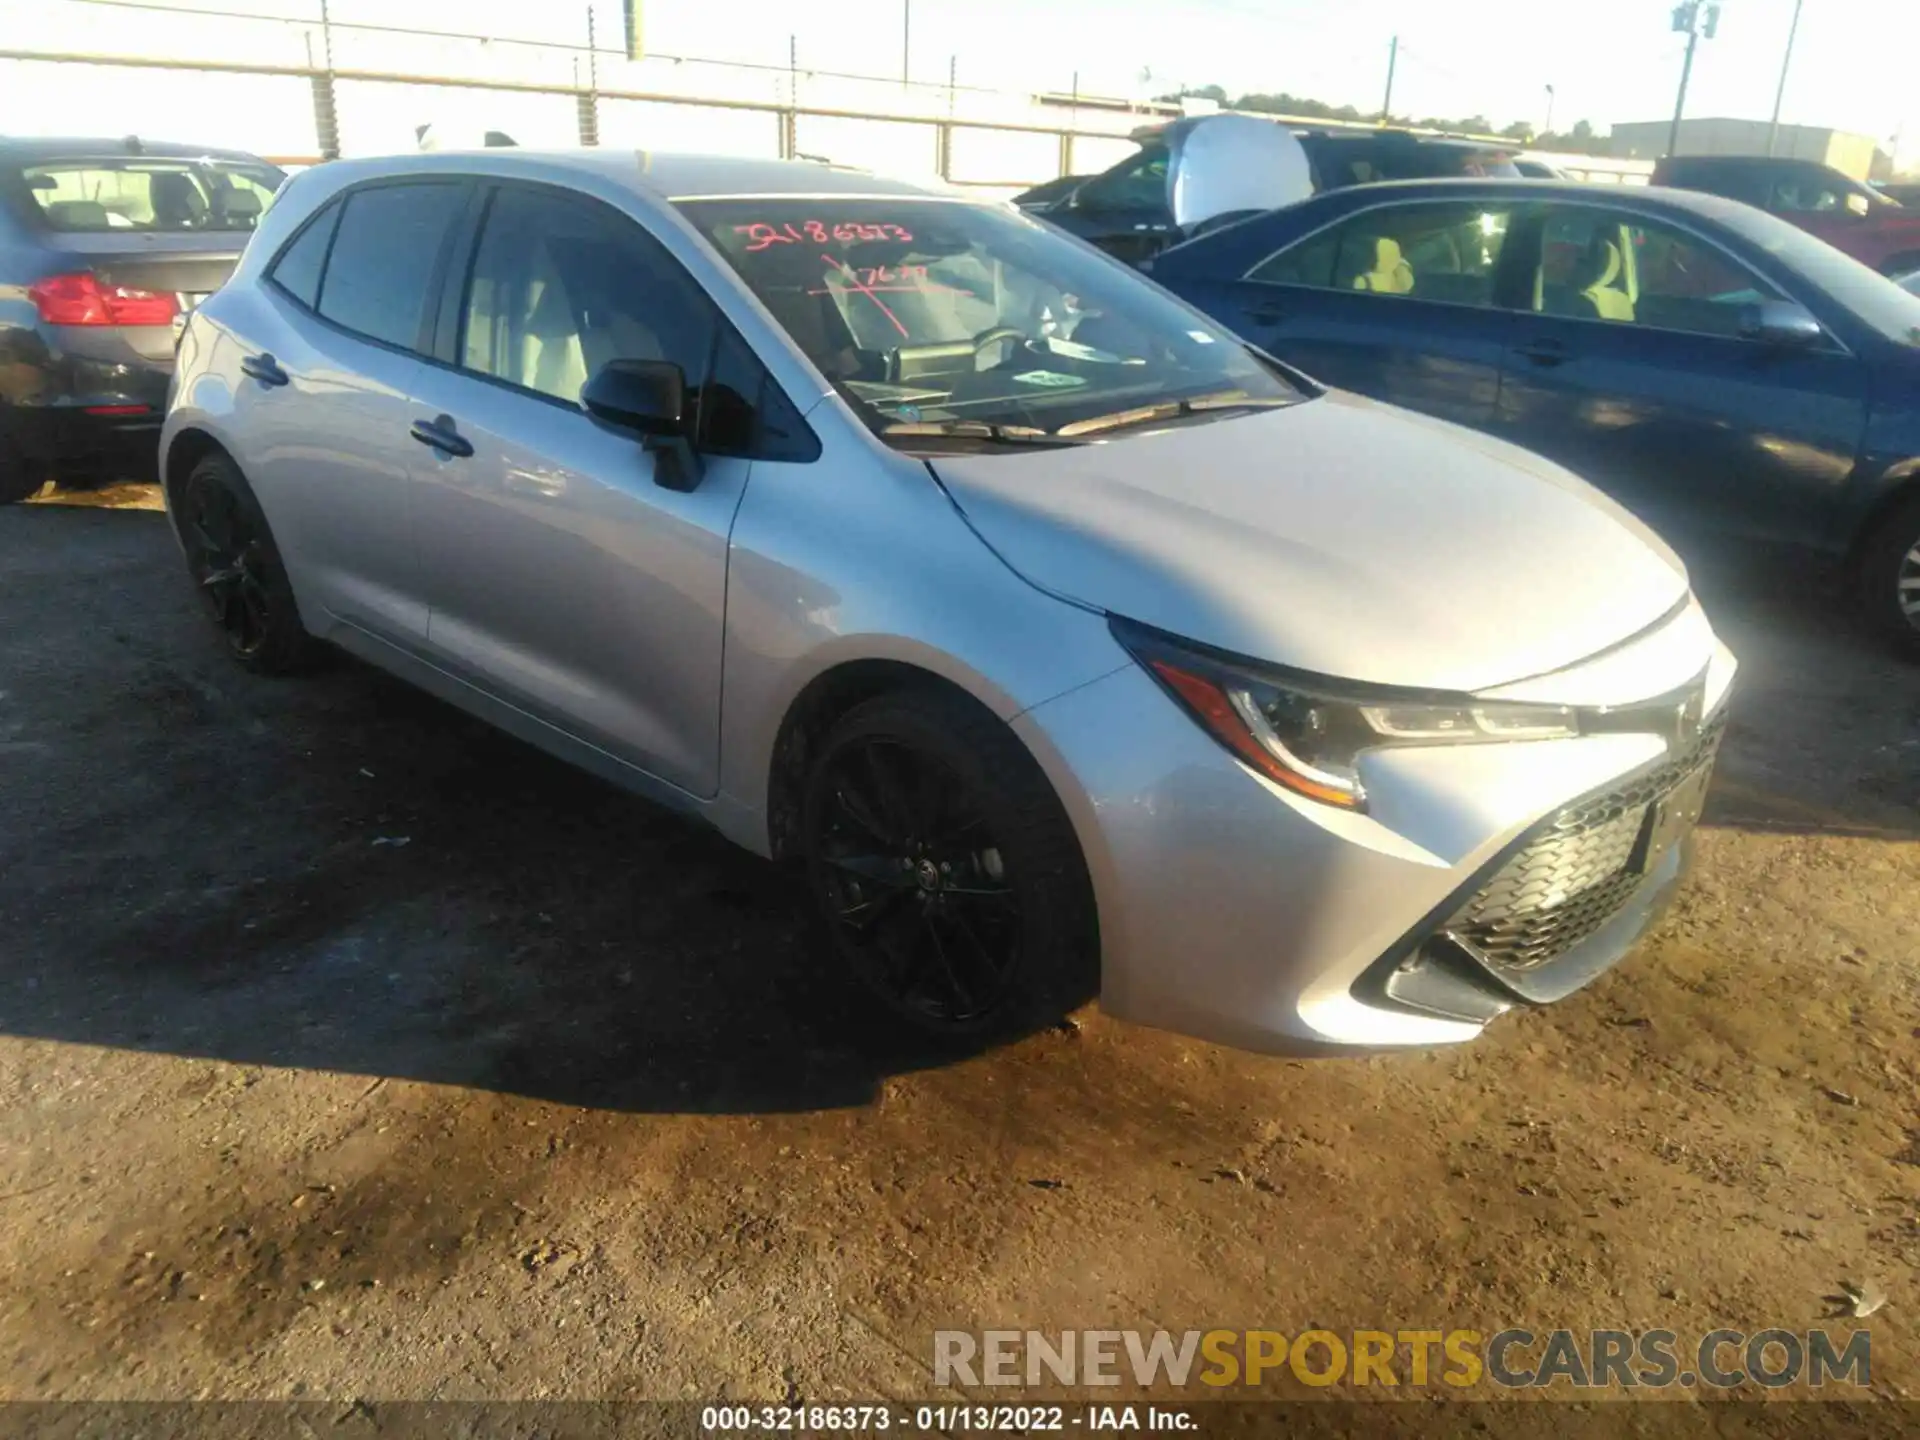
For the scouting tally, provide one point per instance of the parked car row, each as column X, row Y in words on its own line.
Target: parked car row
column 1072, row 635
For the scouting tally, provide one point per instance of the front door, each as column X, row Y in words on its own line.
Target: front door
column 1398, row 302
column 1630, row 368
column 564, row 578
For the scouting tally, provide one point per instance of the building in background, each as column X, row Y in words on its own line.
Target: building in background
column 1857, row 155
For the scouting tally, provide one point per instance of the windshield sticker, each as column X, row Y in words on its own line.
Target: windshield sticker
column 763, row 235
column 1049, row 379
column 1200, row 337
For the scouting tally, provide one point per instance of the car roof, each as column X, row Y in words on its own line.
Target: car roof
column 665, row 176
column 68, row 147
column 1741, row 162
column 1469, row 187
column 1403, row 137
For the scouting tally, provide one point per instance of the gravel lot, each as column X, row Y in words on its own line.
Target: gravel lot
column 349, row 1049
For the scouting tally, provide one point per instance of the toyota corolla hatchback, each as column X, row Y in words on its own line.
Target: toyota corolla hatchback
column 1073, row 646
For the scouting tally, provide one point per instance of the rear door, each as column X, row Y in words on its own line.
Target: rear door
column 1630, row 368
column 565, row 578
column 327, row 403
column 1399, row 302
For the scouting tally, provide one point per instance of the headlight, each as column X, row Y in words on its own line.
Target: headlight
column 1308, row 733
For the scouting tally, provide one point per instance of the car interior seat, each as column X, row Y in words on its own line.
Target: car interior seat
column 1596, row 281
column 177, row 202
column 77, row 215
column 237, row 209
column 1376, row 265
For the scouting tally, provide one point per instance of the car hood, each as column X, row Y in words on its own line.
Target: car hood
column 1338, row 536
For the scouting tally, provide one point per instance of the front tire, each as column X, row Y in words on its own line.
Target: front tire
column 1889, row 576
column 238, row 570
column 946, row 871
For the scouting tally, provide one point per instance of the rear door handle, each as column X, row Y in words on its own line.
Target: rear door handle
column 442, row 435
column 264, row 368
column 1544, row 352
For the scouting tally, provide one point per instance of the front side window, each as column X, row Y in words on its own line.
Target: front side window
column 929, row 310
column 1603, row 265
column 1446, row 252
column 562, row 286
column 142, row 194
column 1806, row 194
column 385, row 251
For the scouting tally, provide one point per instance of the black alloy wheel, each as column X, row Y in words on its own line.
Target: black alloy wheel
column 237, row 569
column 1889, row 576
column 947, row 874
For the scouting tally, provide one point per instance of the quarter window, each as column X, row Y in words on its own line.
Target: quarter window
column 1449, row 253
column 1597, row 265
column 562, row 286
column 297, row 271
column 384, row 255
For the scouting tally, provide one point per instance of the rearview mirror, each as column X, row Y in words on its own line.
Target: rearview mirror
column 649, row 398
column 1782, row 323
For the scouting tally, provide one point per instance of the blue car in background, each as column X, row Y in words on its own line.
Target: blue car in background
column 1722, row 373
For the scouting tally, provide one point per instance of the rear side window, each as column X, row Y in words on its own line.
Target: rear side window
column 385, row 250
column 297, row 271
column 92, row 196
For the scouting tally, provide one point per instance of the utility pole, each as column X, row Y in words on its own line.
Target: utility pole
column 1549, row 129
column 1699, row 19
column 1393, row 59
column 906, row 37
column 1773, row 130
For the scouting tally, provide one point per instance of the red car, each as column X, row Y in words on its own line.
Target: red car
column 1846, row 214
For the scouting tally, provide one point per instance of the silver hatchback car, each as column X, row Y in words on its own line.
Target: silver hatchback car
column 1073, row 646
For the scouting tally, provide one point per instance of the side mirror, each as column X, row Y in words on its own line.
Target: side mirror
column 648, row 398
column 1859, row 204
column 1781, row 323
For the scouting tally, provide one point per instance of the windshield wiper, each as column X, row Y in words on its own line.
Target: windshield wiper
column 977, row 430
column 1173, row 409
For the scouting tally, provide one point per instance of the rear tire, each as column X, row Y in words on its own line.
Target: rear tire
column 947, row 874
column 1888, row 576
column 238, row 570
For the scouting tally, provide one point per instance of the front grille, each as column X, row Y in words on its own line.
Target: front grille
column 1579, row 868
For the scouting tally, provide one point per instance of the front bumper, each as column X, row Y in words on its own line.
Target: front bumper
column 1234, row 911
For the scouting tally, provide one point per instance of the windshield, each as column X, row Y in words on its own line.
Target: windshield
column 1874, row 299
column 136, row 193
column 924, row 310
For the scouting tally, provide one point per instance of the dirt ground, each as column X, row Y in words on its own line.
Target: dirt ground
column 348, row 1049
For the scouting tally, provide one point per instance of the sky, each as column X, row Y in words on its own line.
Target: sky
column 1607, row 60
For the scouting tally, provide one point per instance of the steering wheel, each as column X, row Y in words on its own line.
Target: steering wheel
column 997, row 335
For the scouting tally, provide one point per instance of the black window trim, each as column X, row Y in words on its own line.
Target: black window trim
column 337, row 203
column 453, row 290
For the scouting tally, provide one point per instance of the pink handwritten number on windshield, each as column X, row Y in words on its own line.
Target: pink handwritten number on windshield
column 763, row 235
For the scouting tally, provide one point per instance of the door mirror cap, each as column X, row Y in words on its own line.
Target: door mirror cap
column 647, row 396
column 1782, row 323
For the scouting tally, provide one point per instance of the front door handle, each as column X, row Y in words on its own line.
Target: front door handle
column 441, row 433
column 264, row 368
column 1544, row 352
